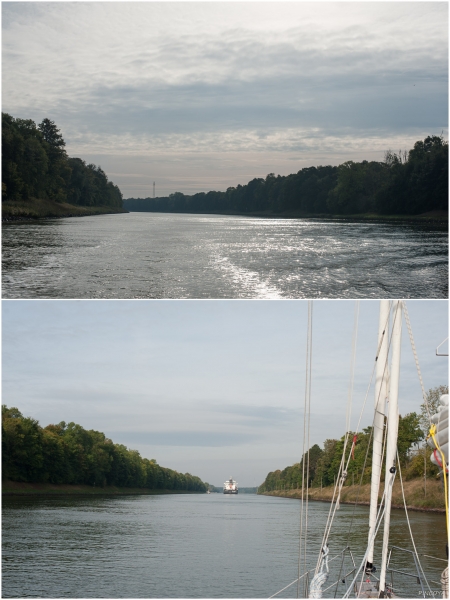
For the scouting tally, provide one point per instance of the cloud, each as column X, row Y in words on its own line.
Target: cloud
column 184, row 438
column 259, row 415
column 173, row 378
column 170, row 79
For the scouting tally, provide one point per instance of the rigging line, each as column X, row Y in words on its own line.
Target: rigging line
column 380, row 516
column 364, row 557
column 341, row 477
column 328, row 525
column 330, row 517
column 308, row 441
column 359, row 486
column 301, row 577
column 305, row 420
column 303, row 459
column 288, row 586
column 339, row 576
column 409, row 525
column 352, row 366
column 372, row 538
column 331, row 513
column 384, row 332
column 368, row 389
column 373, row 371
column 416, row 359
column 371, row 541
column 350, row 388
column 391, row 426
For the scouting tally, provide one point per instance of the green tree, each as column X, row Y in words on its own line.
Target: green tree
column 416, row 466
column 51, row 134
column 35, row 165
column 409, row 433
column 68, row 453
column 21, row 446
column 58, row 168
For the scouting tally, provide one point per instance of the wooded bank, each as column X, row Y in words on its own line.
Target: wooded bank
column 404, row 184
column 68, row 454
column 39, row 179
column 20, row 488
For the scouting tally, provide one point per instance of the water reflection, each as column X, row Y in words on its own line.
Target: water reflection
column 183, row 546
column 144, row 255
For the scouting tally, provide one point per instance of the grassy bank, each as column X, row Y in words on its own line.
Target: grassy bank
column 414, row 494
column 44, row 209
column 18, row 488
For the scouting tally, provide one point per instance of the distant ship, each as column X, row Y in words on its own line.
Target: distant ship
column 230, row 487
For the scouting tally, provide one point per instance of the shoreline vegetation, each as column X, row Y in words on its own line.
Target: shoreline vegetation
column 320, row 468
column 406, row 185
column 70, row 456
column 21, row 488
column 32, row 209
column 39, row 179
column 414, row 495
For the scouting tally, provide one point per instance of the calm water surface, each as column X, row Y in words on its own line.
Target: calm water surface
column 181, row 546
column 150, row 255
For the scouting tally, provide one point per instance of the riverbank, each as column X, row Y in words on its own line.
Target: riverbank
column 415, row 496
column 25, row 210
column 19, row 488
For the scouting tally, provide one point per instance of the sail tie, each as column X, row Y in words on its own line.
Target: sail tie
column 341, row 485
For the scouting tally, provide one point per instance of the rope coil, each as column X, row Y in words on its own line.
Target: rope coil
column 444, row 583
column 315, row 589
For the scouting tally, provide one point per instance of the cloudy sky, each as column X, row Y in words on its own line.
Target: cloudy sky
column 211, row 388
column 206, row 95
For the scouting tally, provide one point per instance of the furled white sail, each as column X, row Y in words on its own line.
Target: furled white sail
column 381, row 393
column 392, row 433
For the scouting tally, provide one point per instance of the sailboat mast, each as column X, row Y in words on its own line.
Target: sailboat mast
column 381, row 377
column 392, row 433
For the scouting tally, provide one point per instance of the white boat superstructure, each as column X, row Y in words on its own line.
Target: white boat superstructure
column 230, row 487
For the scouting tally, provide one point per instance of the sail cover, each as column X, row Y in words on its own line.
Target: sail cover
column 440, row 420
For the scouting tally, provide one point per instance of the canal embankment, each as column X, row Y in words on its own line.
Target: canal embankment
column 20, row 488
column 427, row 497
column 38, row 208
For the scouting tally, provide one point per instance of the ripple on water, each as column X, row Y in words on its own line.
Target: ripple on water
column 182, row 546
column 144, row 255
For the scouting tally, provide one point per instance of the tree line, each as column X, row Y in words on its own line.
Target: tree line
column 324, row 462
column 35, row 165
column 69, row 454
column 405, row 183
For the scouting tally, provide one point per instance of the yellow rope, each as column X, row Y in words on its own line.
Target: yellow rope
column 444, row 470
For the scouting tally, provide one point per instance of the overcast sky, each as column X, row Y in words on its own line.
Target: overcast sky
column 200, row 96
column 214, row 388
